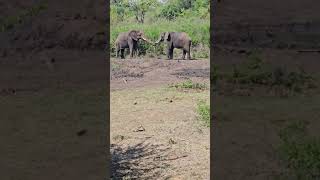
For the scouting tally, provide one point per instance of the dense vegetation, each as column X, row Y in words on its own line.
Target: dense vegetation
column 256, row 73
column 155, row 16
column 300, row 152
column 10, row 22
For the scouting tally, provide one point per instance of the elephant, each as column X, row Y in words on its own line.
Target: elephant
column 179, row 40
column 129, row 40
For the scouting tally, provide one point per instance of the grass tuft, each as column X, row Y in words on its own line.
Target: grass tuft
column 300, row 152
column 189, row 85
column 203, row 110
column 7, row 23
column 255, row 73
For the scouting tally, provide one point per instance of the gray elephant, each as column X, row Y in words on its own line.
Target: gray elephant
column 179, row 40
column 129, row 40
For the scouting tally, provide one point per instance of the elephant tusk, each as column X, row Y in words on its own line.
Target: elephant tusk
column 146, row 40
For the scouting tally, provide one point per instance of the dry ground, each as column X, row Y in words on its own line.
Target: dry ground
column 53, row 115
column 155, row 133
column 245, row 131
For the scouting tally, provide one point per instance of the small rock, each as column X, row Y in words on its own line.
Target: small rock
column 171, row 141
column 135, row 103
column 140, row 128
column 118, row 137
column 82, row 132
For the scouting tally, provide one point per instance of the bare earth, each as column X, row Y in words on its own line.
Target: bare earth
column 155, row 133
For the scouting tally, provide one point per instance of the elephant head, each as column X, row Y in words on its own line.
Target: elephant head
column 164, row 36
column 137, row 35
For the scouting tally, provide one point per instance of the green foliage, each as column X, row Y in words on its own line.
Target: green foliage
column 199, row 35
column 204, row 112
column 214, row 74
column 185, row 8
column 189, row 85
column 140, row 7
column 117, row 13
column 170, row 10
column 300, row 152
column 7, row 23
column 155, row 17
column 256, row 71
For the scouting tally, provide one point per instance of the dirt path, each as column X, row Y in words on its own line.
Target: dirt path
column 156, row 72
column 155, row 133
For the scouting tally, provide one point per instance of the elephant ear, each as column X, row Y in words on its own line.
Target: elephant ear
column 133, row 35
column 167, row 36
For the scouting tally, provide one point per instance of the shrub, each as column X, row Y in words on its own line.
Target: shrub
column 300, row 152
column 7, row 23
column 204, row 112
column 199, row 35
column 255, row 71
column 189, row 85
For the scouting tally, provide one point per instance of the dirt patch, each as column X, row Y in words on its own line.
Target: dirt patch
column 126, row 73
column 153, row 72
column 204, row 73
column 247, row 121
column 162, row 138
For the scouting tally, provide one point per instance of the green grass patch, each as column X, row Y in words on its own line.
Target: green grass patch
column 203, row 110
column 197, row 29
column 254, row 73
column 189, row 84
column 10, row 22
column 300, row 152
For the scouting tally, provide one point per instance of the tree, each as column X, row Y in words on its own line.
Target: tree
column 140, row 7
column 118, row 10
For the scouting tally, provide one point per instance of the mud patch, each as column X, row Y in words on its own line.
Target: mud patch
column 204, row 73
column 127, row 161
column 122, row 73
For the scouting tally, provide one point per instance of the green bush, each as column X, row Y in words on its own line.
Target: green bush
column 9, row 22
column 256, row 71
column 300, row 152
column 204, row 112
column 197, row 29
column 189, row 85
column 187, row 16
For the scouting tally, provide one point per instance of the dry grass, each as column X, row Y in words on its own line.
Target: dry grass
column 168, row 129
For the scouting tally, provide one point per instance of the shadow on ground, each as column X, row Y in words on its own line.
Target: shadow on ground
column 142, row 161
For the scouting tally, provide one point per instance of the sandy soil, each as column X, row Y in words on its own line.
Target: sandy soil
column 155, row 133
column 245, row 129
column 156, row 72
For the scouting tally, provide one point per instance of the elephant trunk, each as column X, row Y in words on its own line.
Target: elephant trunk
column 145, row 39
column 158, row 41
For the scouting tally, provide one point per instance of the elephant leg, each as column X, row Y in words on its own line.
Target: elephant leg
column 131, row 48
column 122, row 53
column 184, row 54
column 188, row 56
column 117, row 52
column 136, row 52
column 171, row 53
column 168, row 53
column 189, row 48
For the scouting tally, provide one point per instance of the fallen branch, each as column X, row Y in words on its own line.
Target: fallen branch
column 124, row 80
